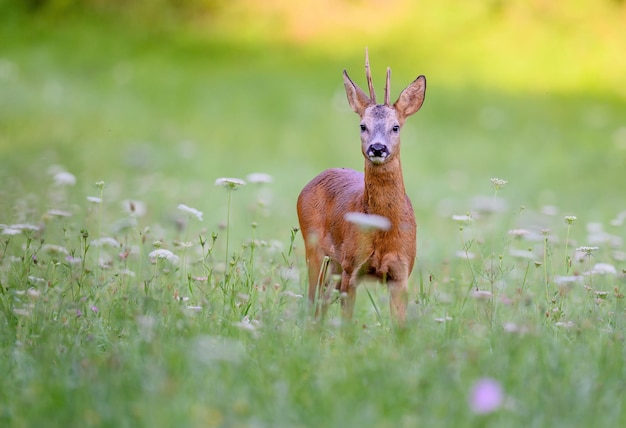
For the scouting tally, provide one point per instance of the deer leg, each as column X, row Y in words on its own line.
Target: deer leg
column 396, row 277
column 398, row 300
column 348, row 295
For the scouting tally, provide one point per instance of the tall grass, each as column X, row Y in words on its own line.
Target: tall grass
column 122, row 305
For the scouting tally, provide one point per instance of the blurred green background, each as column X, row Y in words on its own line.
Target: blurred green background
column 160, row 98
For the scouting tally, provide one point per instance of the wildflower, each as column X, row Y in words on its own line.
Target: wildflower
column 519, row 232
column 195, row 308
column 586, row 250
column 37, row 280
column 486, row 396
column 259, row 177
column 443, row 319
column 23, row 226
column 292, row 294
column 603, row 269
column 64, row 178
column 565, row 324
column 10, row 231
column 562, row 280
column 94, row 199
column 368, row 221
column 570, row 219
column 112, row 242
column 247, row 324
column 21, row 312
column 481, row 294
column 59, row 213
column 192, row 211
column 73, row 260
column 99, row 184
column 467, row 218
column 94, row 309
column 498, row 183
column 230, row 183
column 164, row 254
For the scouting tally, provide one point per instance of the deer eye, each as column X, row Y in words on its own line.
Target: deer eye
column 395, row 128
column 363, row 128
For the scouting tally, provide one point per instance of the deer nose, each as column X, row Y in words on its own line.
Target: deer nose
column 377, row 150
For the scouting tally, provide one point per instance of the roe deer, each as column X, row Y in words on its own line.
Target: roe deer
column 333, row 244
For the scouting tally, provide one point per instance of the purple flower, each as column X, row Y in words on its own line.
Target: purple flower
column 486, row 396
column 94, row 309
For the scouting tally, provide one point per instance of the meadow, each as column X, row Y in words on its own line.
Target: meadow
column 138, row 289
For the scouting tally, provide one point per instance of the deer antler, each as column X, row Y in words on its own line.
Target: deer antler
column 387, row 86
column 368, row 74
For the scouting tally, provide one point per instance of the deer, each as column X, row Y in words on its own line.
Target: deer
column 339, row 253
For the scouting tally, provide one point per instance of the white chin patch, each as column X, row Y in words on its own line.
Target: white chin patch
column 377, row 159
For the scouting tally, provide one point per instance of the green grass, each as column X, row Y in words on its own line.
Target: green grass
column 110, row 336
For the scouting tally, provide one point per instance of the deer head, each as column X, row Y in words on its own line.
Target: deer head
column 381, row 123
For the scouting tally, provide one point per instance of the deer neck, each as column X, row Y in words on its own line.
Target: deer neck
column 384, row 187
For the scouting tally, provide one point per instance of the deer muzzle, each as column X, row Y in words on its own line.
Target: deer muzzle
column 377, row 152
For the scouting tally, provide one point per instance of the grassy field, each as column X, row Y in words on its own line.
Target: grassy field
column 136, row 292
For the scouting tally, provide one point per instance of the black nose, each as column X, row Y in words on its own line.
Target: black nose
column 378, row 150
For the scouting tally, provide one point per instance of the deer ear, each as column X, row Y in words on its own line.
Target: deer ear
column 356, row 97
column 411, row 98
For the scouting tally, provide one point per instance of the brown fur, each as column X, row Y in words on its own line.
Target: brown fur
column 386, row 255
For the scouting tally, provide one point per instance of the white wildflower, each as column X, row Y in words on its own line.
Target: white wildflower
column 586, row 250
column 481, row 294
column 230, row 183
column 21, row 312
column 570, row 219
column 25, row 226
column 195, row 308
column 247, row 324
column 59, row 213
column 127, row 272
column 467, row 218
column 64, row 178
column 164, row 254
column 443, row 319
column 519, row 232
column 11, row 231
column 565, row 324
column 37, row 280
column 259, row 177
column 111, row 242
column 562, row 280
column 191, row 211
column 368, row 221
column 292, row 294
column 94, row 199
column 604, row 269
column 498, row 183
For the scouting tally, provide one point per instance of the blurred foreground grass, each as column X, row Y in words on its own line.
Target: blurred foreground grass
column 107, row 335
